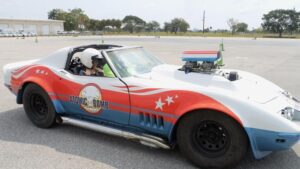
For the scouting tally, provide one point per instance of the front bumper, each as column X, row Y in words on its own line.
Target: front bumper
column 264, row 142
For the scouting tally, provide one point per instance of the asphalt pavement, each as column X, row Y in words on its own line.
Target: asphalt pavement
column 22, row 145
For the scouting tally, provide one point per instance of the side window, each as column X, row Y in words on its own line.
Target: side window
column 99, row 67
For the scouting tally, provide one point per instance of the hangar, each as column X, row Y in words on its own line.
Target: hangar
column 40, row 27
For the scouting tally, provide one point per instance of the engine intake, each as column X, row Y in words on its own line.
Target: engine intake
column 201, row 61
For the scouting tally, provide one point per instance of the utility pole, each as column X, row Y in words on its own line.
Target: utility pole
column 203, row 21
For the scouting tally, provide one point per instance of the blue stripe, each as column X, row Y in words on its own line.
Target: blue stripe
column 193, row 59
column 263, row 142
column 119, row 117
column 109, row 115
column 58, row 106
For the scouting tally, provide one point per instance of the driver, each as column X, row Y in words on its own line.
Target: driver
column 93, row 62
column 90, row 59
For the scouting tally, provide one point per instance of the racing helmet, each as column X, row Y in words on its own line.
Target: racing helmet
column 87, row 55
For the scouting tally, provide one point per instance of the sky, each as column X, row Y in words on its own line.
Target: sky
column 217, row 11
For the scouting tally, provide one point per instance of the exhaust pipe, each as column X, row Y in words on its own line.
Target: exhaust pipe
column 147, row 140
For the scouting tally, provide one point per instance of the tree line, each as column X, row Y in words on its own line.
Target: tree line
column 276, row 21
column 76, row 19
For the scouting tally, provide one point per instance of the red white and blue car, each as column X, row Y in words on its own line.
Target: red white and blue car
column 214, row 115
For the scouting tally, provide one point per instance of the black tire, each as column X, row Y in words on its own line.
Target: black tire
column 38, row 106
column 211, row 139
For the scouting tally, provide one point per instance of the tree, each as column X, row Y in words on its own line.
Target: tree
column 167, row 27
column 75, row 19
column 280, row 20
column 241, row 27
column 116, row 23
column 133, row 23
column 178, row 25
column 70, row 22
column 129, row 26
column 295, row 21
column 80, row 19
column 56, row 14
column 232, row 23
column 99, row 25
column 93, row 25
column 152, row 26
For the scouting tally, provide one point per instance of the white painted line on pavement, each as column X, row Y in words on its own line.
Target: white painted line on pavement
column 296, row 148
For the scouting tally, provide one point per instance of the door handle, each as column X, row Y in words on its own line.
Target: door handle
column 62, row 72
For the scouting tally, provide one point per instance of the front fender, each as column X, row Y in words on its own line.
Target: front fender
column 266, row 129
column 192, row 101
column 195, row 101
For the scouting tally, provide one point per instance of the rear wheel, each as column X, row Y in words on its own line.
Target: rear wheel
column 211, row 139
column 38, row 106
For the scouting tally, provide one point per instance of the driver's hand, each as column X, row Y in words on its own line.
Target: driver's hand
column 88, row 72
column 99, row 70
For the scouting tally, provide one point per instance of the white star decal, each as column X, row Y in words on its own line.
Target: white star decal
column 169, row 100
column 159, row 104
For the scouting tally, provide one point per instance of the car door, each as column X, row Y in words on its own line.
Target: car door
column 95, row 98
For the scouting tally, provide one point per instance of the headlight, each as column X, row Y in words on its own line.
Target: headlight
column 287, row 113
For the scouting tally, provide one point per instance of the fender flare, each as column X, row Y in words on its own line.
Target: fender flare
column 217, row 107
column 46, row 87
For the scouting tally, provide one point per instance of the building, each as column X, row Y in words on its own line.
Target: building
column 40, row 27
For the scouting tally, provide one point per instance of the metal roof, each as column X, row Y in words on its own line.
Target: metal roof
column 29, row 20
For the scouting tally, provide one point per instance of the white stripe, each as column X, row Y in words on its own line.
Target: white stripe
column 20, row 74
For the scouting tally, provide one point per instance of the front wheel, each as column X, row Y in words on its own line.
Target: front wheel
column 211, row 139
column 38, row 106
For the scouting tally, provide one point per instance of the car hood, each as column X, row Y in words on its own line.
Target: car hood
column 248, row 86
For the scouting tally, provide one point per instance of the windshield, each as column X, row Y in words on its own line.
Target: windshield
column 133, row 61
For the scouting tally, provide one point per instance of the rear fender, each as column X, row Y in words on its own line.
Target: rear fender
column 8, row 69
column 45, row 85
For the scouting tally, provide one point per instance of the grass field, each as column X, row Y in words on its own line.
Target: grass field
column 209, row 34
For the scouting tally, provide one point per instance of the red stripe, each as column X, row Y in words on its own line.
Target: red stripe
column 200, row 52
column 143, row 90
